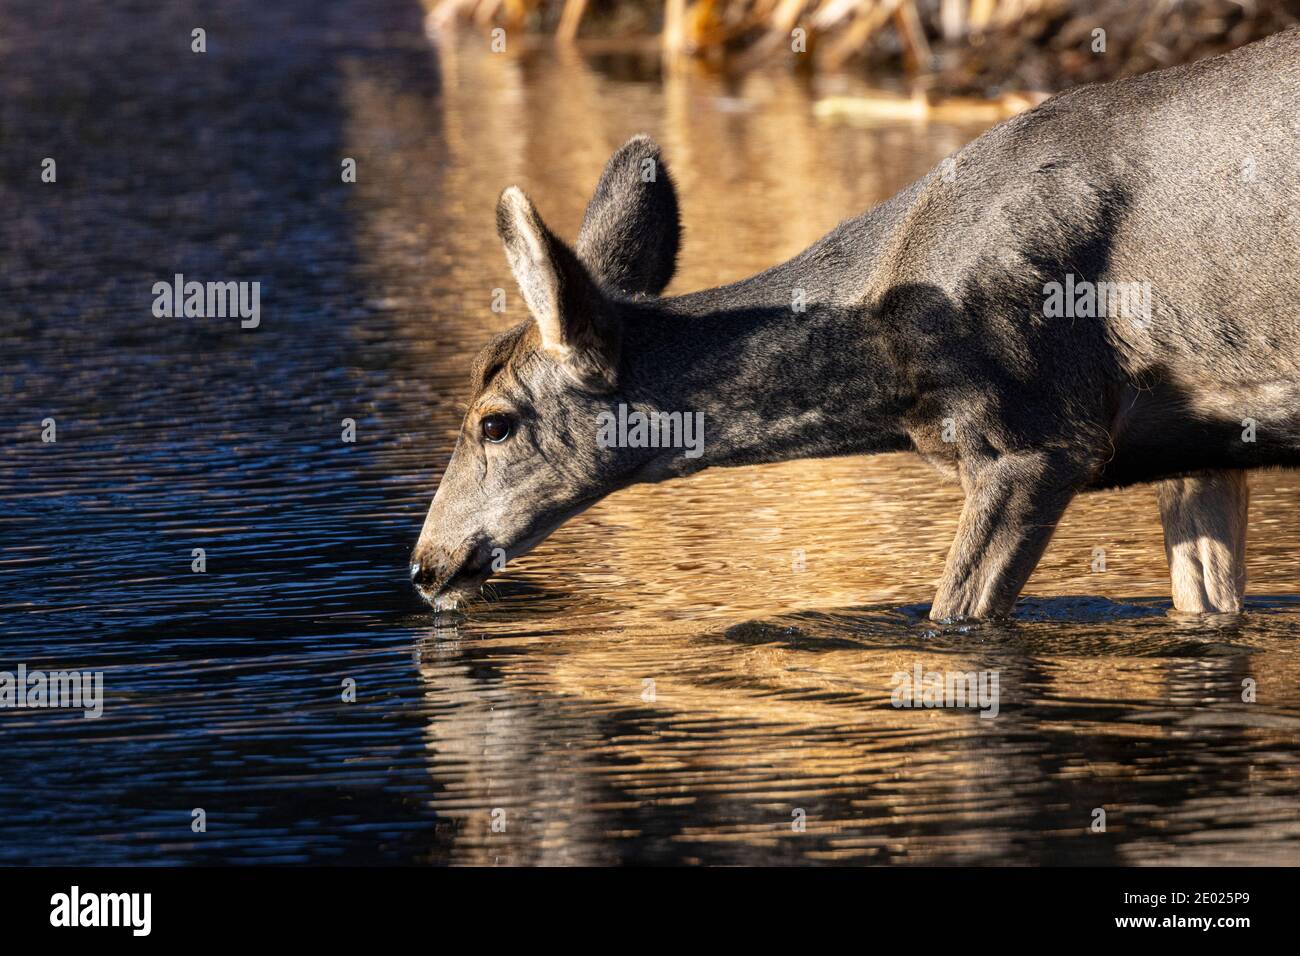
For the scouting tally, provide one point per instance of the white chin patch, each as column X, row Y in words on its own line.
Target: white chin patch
column 446, row 602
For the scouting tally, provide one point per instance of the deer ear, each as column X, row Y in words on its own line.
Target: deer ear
column 632, row 229
column 572, row 316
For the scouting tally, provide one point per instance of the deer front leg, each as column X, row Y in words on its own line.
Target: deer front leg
column 1012, row 506
column 1204, row 518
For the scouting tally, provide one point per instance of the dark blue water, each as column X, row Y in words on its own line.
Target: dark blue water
column 172, row 434
column 655, row 685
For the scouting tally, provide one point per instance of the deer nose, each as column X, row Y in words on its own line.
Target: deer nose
column 422, row 570
column 428, row 566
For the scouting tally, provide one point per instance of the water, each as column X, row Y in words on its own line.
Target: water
column 655, row 684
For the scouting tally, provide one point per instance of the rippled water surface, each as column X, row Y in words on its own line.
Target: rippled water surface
column 695, row 672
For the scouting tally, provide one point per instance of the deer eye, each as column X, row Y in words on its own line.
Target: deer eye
column 496, row 428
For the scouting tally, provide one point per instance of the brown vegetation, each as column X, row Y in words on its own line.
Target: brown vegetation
column 965, row 45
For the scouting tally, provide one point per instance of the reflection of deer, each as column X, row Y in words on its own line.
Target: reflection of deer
column 921, row 326
column 561, row 736
column 513, row 799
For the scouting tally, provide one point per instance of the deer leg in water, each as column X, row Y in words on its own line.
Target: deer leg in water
column 1204, row 518
column 1012, row 506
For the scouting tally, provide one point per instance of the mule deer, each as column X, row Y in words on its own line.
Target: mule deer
column 924, row 325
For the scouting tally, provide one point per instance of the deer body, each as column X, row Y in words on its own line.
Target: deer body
column 1097, row 293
